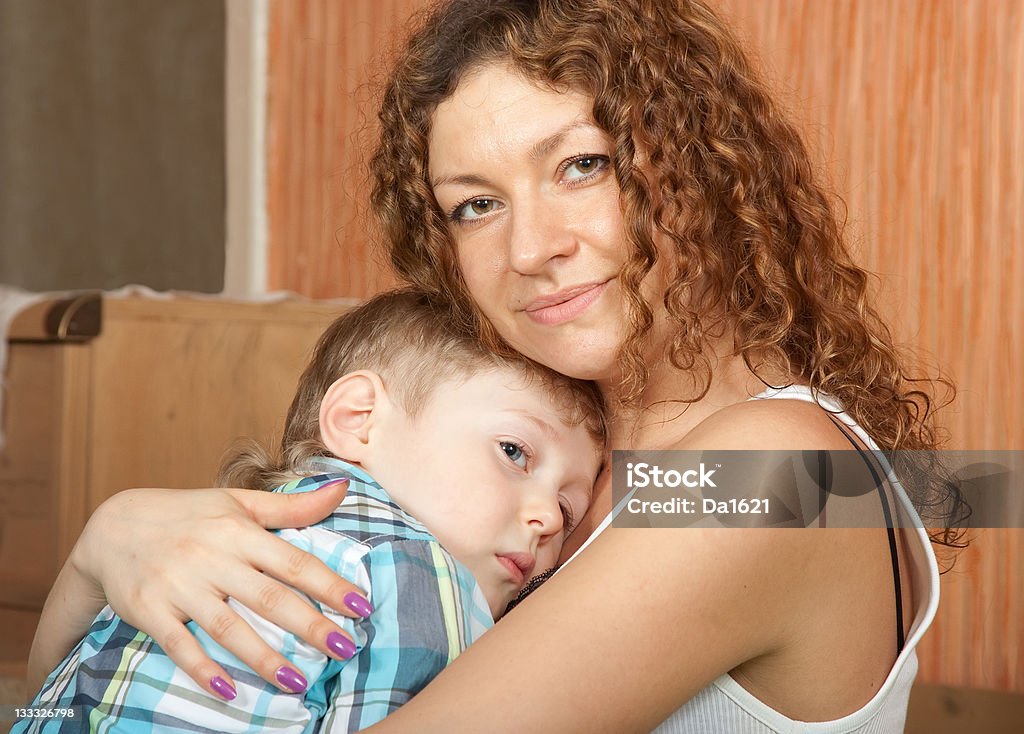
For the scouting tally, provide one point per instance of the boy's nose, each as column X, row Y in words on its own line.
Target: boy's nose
column 544, row 515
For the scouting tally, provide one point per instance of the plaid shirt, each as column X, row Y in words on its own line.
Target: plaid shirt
column 428, row 608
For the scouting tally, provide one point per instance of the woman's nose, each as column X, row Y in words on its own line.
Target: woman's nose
column 539, row 235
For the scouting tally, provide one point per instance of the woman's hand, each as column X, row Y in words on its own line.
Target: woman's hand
column 163, row 557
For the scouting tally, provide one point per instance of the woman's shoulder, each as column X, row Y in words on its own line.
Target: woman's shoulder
column 777, row 424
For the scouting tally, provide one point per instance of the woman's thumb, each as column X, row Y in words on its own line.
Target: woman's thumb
column 292, row 510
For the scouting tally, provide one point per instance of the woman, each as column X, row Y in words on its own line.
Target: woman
column 606, row 187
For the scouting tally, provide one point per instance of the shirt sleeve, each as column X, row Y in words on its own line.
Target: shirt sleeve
column 427, row 609
column 119, row 679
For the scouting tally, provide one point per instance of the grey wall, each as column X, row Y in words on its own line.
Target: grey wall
column 112, row 143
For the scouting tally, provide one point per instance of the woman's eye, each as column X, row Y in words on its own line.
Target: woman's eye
column 514, row 452
column 584, row 167
column 473, row 209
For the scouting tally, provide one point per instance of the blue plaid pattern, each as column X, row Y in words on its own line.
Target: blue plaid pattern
column 428, row 608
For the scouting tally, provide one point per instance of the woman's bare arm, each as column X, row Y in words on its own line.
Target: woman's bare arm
column 163, row 557
column 620, row 638
column 643, row 619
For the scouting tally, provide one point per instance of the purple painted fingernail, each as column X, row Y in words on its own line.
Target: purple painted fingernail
column 341, row 645
column 290, row 679
column 335, row 483
column 358, row 604
column 222, row 688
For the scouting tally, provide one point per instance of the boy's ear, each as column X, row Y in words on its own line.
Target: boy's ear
column 346, row 414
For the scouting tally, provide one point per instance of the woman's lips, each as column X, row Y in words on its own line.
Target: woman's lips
column 566, row 305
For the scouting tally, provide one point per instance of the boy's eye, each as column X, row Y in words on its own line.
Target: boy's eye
column 568, row 520
column 514, row 452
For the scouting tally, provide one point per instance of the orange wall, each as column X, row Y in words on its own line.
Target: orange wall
column 322, row 53
column 916, row 110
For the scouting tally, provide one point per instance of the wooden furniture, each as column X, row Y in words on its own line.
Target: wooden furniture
column 150, row 394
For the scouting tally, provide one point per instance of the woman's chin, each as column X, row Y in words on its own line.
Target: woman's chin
column 596, row 362
column 587, row 349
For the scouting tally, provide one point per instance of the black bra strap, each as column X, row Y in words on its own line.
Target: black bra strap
column 889, row 526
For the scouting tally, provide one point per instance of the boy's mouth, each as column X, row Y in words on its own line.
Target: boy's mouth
column 519, row 565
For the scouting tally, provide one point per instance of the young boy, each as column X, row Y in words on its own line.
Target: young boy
column 465, row 472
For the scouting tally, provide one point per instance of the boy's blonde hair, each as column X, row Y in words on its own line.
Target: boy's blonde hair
column 414, row 342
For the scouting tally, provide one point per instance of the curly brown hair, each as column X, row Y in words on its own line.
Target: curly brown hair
column 755, row 238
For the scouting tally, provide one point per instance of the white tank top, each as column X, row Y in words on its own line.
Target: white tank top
column 726, row 707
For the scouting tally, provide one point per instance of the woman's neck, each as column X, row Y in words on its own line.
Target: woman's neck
column 664, row 417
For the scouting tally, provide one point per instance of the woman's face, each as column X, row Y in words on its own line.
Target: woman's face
column 524, row 178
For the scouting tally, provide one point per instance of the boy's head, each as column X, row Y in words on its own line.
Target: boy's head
column 496, row 456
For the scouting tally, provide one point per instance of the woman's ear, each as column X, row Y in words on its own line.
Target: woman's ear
column 347, row 414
